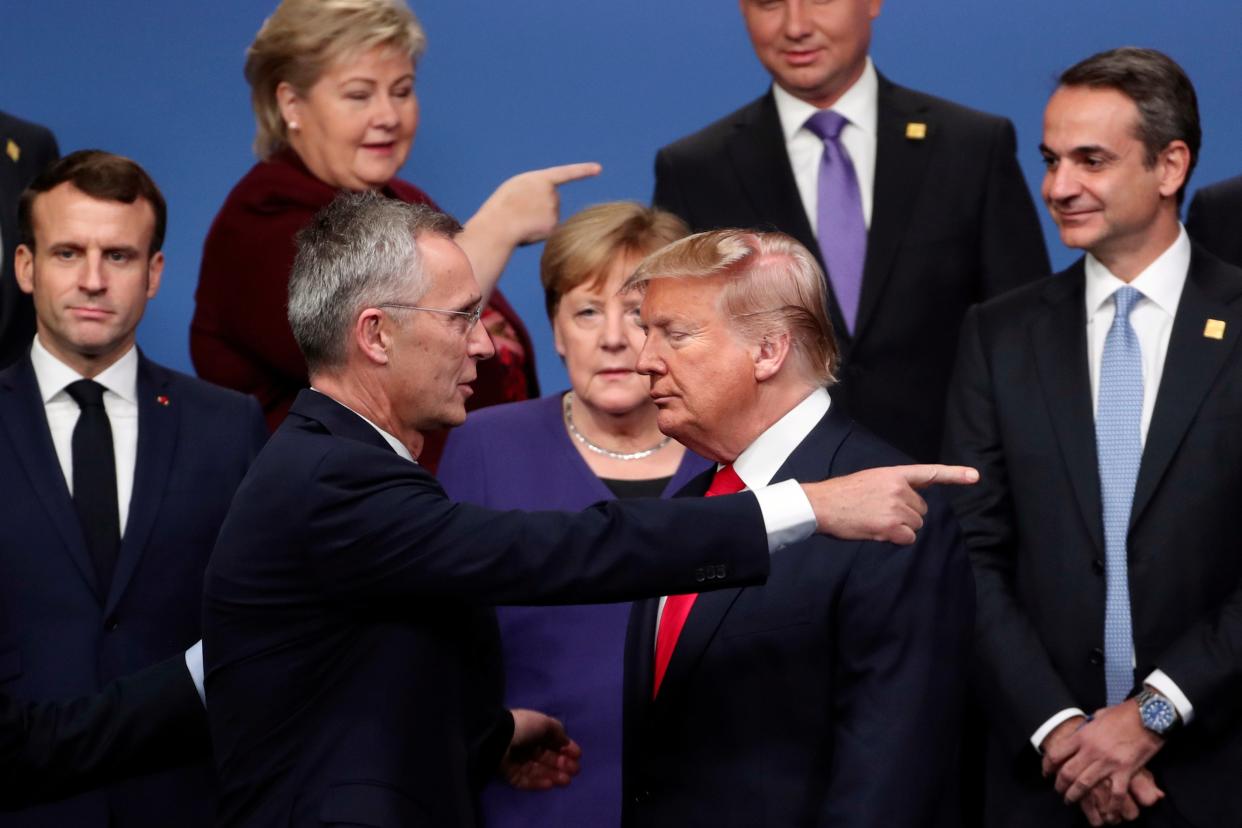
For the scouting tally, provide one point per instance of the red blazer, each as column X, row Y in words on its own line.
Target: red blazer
column 240, row 336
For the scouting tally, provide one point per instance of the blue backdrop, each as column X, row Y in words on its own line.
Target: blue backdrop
column 510, row 86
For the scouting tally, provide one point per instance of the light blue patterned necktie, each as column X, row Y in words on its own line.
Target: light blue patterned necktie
column 1119, row 447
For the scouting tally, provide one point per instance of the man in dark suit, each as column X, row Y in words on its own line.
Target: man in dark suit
column 1100, row 407
column 118, row 472
column 346, row 649
column 150, row 721
column 25, row 150
column 813, row 699
column 1214, row 219
column 915, row 206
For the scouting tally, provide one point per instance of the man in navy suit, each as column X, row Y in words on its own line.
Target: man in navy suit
column 25, row 150
column 117, row 472
column 1102, row 408
column 350, row 656
column 939, row 216
column 832, row 694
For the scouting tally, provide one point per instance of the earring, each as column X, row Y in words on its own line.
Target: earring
column 293, row 126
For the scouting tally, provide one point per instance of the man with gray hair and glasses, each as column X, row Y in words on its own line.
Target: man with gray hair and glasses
column 349, row 649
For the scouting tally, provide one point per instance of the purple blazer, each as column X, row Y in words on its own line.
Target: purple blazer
column 564, row 661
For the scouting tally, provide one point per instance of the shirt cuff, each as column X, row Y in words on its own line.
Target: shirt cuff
column 787, row 513
column 1165, row 686
column 194, row 663
column 1050, row 725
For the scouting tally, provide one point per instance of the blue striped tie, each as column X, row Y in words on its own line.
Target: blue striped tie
column 1119, row 447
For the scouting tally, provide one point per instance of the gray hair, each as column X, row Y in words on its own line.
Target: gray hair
column 358, row 252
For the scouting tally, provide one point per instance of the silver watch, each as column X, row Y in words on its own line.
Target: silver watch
column 1156, row 712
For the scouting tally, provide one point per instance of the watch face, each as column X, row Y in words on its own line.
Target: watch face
column 1158, row 715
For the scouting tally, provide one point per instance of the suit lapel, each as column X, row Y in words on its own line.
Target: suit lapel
column 157, row 440
column 1191, row 367
column 22, row 415
column 806, row 462
column 900, row 165
column 1059, row 342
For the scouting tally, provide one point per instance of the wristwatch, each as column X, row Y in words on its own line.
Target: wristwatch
column 1156, row 712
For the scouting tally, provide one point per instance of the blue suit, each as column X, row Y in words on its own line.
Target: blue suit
column 344, row 606
column 830, row 696
column 60, row 635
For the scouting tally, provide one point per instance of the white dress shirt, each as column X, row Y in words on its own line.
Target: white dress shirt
column 120, row 399
column 860, row 106
column 763, row 458
column 1151, row 318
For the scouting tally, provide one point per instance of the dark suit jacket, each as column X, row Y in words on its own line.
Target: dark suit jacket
column 341, row 617
column 830, row 696
column 1214, row 219
column 152, row 720
column 952, row 224
column 1020, row 411
column 35, row 148
column 59, row 635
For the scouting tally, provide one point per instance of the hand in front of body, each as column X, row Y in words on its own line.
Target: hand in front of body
column 1101, row 763
column 540, row 755
column 880, row 504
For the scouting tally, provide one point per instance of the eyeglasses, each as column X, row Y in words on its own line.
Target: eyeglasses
column 471, row 317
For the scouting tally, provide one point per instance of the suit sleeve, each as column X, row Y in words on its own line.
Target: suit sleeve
column 380, row 531
column 903, row 643
column 1017, row 679
column 1012, row 244
column 667, row 195
column 148, row 721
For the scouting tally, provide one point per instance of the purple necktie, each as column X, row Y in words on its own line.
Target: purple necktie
column 842, row 231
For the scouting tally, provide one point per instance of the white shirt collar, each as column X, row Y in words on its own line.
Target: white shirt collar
column 121, row 377
column 1161, row 282
column 763, row 458
column 859, row 104
column 397, row 445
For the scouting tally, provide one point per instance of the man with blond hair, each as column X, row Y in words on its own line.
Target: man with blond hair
column 832, row 694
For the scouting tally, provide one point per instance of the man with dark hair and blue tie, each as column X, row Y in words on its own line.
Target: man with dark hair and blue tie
column 1101, row 409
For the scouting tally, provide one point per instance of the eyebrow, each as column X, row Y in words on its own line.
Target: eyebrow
column 1085, row 149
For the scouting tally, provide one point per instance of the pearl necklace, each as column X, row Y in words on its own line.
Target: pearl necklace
column 567, row 410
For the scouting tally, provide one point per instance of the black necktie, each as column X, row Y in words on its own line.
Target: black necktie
column 94, row 479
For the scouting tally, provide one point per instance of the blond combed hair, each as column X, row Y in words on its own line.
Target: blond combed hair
column 582, row 248
column 772, row 286
column 302, row 38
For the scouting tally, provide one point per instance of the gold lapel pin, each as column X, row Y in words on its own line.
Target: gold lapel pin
column 13, row 150
column 916, row 131
column 1214, row 329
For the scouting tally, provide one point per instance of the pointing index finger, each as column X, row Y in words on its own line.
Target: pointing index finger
column 572, row 172
column 920, row 476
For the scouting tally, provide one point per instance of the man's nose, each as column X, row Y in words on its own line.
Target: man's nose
column 91, row 278
column 479, row 343
column 648, row 363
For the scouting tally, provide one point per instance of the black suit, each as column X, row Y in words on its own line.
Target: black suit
column 1020, row 411
column 952, row 224
column 1215, row 219
column 830, row 696
column 342, row 619
column 152, row 720
column 34, row 147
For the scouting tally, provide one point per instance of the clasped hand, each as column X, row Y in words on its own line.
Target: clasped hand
column 540, row 755
column 1101, row 763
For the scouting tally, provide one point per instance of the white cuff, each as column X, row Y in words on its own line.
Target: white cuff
column 194, row 663
column 1165, row 686
column 787, row 513
column 1047, row 727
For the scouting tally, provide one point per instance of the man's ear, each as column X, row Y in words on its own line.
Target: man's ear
column 1173, row 164
column 770, row 355
column 372, row 335
column 23, row 261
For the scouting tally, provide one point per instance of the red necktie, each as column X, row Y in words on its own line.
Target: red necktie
column 677, row 607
